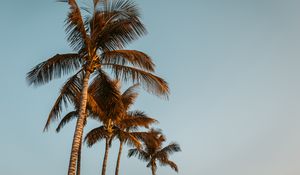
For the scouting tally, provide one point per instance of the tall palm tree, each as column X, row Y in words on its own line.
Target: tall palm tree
column 98, row 40
column 131, row 121
column 73, row 96
column 153, row 151
column 117, row 122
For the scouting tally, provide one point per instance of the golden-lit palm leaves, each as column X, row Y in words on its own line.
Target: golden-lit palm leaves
column 54, row 67
column 153, row 151
column 117, row 122
column 96, row 39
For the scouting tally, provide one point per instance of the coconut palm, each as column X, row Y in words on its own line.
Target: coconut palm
column 127, row 131
column 73, row 96
column 153, row 152
column 118, row 124
column 132, row 120
column 98, row 40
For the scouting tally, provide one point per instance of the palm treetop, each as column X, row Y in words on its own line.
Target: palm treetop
column 153, row 151
column 98, row 40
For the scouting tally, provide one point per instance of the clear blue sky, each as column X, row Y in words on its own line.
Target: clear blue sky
column 233, row 69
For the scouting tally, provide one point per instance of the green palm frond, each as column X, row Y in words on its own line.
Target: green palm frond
column 68, row 94
column 150, row 82
column 66, row 119
column 54, row 67
column 95, row 135
column 128, row 57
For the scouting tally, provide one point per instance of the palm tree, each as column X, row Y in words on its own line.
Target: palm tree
column 131, row 121
column 127, row 131
column 98, row 41
column 117, row 122
column 73, row 96
column 153, row 151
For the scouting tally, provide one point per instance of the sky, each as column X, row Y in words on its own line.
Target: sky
column 233, row 70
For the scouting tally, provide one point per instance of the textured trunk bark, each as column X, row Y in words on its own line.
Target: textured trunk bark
column 77, row 138
column 79, row 159
column 119, row 158
column 105, row 156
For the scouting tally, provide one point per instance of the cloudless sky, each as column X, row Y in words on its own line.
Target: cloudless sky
column 233, row 69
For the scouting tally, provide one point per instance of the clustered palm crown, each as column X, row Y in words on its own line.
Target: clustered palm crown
column 98, row 41
column 154, row 151
column 98, row 37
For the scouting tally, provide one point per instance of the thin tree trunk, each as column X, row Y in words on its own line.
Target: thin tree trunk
column 77, row 138
column 79, row 159
column 105, row 156
column 119, row 158
column 153, row 169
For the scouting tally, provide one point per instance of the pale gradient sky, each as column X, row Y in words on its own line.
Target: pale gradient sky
column 233, row 69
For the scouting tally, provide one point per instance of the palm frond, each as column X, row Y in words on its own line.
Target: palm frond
column 66, row 119
column 95, row 135
column 128, row 97
column 165, row 162
column 54, row 67
column 68, row 94
column 136, row 119
column 140, row 154
column 128, row 57
column 150, row 82
column 115, row 24
column 116, row 35
column 75, row 28
column 96, row 110
column 107, row 95
column 171, row 148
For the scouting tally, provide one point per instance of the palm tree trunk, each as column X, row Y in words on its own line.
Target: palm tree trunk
column 105, row 156
column 153, row 169
column 79, row 159
column 119, row 158
column 77, row 138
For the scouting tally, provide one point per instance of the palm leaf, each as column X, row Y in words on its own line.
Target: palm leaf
column 55, row 67
column 150, row 82
column 115, row 24
column 128, row 138
column 68, row 94
column 128, row 97
column 126, row 57
column 136, row 119
column 66, row 119
column 116, row 35
column 75, row 28
column 171, row 148
column 165, row 162
column 107, row 96
column 140, row 154
column 95, row 135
